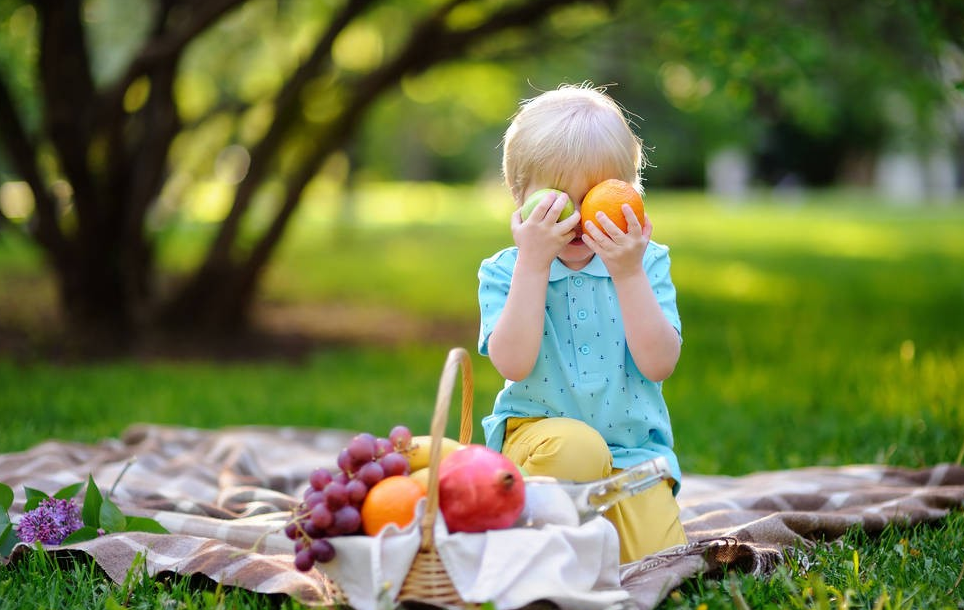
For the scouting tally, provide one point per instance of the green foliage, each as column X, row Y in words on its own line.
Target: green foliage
column 8, row 538
column 807, row 62
column 711, row 69
column 99, row 514
column 770, row 78
column 18, row 53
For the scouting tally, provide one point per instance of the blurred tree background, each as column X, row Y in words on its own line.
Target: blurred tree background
column 122, row 118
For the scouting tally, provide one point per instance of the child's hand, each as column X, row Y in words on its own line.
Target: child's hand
column 621, row 252
column 541, row 236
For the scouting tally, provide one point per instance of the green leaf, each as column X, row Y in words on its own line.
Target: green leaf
column 143, row 524
column 6, row 501
column 6, row 496
column 69, row 492
column 85, row 533
column 112, row 604
column 92, row 501
column 8, row 538
column 34, row 498
column 111, row 517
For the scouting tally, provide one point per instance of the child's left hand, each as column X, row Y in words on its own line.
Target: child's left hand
column 621, row 252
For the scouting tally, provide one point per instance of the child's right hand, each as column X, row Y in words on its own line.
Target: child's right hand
column 541, row 237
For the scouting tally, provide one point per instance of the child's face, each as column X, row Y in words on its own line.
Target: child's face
column 575, row 254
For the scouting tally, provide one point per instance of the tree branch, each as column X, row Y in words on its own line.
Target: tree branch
column 69, row 98
column 159, row 55
column 168, row 41
column 448, row 44
column 431, row 43
column 23, row 157
column 138, row 168
column 286, row 111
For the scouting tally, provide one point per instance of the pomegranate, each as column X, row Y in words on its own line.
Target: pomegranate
column 479, row 489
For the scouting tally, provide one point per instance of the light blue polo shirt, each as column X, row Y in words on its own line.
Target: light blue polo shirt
column 584, row 369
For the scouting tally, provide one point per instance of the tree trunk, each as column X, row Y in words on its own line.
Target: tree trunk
column 115, row 159
column 213, row 303
column 98, row 301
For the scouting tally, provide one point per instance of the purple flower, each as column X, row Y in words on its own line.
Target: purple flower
column 51, row 522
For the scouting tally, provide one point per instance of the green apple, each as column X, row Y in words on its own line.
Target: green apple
column 536, row 197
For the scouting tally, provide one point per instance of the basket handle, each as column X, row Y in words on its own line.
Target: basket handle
column 457, row 357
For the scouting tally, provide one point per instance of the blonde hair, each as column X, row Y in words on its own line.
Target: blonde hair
column 574, row 130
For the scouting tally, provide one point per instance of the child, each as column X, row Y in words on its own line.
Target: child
column 582, row 323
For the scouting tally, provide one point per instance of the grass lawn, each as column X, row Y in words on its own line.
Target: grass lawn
column 819, row 331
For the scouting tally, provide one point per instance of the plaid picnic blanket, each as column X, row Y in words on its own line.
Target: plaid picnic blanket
column 224, row 493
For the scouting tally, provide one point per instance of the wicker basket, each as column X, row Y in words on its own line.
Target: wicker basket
column 427, row 581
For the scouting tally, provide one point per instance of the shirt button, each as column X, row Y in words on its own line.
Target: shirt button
column 584, row 350
column 577, row 281
column 582, row 314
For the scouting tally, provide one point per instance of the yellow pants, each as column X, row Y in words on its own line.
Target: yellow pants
column 571, row 449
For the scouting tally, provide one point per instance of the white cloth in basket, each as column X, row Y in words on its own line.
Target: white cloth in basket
column 575, row 567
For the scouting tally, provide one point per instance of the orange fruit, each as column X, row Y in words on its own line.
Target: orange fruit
column 608, row 197
column 391, row 500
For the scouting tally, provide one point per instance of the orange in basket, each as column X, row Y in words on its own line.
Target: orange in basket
column 391, row 500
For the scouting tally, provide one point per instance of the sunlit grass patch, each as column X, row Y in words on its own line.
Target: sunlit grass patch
column 831, row 327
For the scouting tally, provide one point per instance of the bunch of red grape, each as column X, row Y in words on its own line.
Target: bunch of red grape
column 332, row 502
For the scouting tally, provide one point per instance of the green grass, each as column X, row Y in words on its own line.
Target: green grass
column 353, row 389
column 901, row 567
column 38, row 581
column 823, row 331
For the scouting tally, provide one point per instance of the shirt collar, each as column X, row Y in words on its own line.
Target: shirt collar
column 558, row 271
